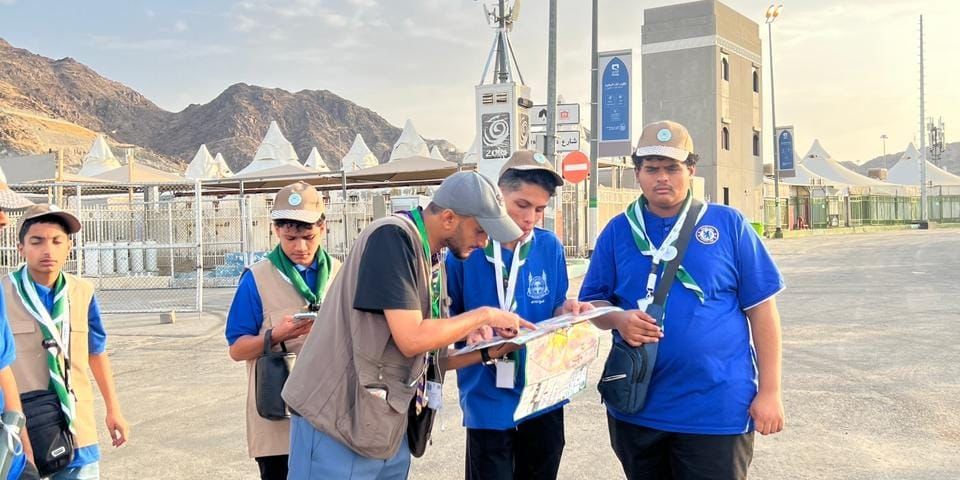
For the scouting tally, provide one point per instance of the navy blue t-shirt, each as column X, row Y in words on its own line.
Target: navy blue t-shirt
column 705, row 376
column 541, row 289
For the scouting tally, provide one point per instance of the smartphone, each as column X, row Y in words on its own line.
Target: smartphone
column 298, row 317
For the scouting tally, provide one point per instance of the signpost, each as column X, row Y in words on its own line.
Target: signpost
column 785, row 152
column 575, row 167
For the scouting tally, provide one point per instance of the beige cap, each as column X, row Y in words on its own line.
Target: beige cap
column 530, row 160
column 10, row 200
column 300, row 202
column 48, row 210
column 665, row 139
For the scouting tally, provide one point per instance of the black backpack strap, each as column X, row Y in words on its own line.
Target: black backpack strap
column 670, row 271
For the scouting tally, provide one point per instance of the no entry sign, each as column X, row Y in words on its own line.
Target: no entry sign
column 575, row 167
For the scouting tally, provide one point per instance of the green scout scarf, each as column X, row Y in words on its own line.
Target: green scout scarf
column 55, row 327
column 436, row 277
column 507, row 278
column 289, row 272
column 667, row 251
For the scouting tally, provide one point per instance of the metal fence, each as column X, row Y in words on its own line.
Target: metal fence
column 574, row 204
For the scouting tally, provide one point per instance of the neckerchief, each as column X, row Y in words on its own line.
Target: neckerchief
column 667, row 250
column 507, row 278
column 55, row 327
column 289, row 272
column 436, row 291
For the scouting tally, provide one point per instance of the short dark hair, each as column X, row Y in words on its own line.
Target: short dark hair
column 691, row 160
column 513, row 179
column 53, row 219
column 297, row 224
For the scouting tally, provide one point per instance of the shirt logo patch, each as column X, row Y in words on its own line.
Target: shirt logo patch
column 537, row 287
column 708, row 235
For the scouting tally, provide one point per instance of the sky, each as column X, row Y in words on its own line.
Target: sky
column 846, row 72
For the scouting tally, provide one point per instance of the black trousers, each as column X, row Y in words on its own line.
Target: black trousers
column 646, row 453
column 273, row 468
column 529, row 452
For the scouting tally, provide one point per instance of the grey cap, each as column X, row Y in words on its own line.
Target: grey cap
column 472, row 195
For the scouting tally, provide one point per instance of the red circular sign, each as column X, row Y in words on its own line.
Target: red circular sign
column 575, row 167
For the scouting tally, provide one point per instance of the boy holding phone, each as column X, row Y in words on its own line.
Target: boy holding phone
column 278, row 294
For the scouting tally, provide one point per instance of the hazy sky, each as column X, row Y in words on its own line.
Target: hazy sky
column 846, row 71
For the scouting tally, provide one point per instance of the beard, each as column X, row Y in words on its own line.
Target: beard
column 458, row 246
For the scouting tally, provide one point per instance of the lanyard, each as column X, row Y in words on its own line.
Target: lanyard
column 506, row 291
column 436, row 280
column 667, row 251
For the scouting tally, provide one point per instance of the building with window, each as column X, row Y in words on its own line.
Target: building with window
column 701, row 67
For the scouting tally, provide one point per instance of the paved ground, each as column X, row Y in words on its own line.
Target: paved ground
column 872, row 347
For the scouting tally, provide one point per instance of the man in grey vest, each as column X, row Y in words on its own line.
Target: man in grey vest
column 361, row 368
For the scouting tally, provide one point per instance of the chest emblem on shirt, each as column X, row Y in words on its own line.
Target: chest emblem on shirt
column 708, row 234
column 537, row 287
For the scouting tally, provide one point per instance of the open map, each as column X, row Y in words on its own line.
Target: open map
column 558, row 354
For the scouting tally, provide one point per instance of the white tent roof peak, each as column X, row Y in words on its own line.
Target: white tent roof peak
column 410, row 143
column 222, row 167
column 819, row 162
column 99, row 159
column 435, row 153
column 907, row 170
column 203, row 166
column 315, row 161
column 359, row 156
column 274, row 151
column 473, row 154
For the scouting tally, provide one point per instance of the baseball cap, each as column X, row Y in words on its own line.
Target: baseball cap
column 472, row 195
column 665, row 139
column 530, row 160
column 300, row 202
column 48, row 210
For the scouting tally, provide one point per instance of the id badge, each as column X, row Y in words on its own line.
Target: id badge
column 644, row 302
column 506, row 373
column 434, row 395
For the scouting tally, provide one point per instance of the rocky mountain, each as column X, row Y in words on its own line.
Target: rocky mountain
column 61, row 104
column 949, row 161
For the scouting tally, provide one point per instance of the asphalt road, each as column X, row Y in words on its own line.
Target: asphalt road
column 871, row 386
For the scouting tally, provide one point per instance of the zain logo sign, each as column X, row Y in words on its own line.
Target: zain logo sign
column 496, row 135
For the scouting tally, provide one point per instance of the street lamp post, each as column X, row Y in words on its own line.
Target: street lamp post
column 772, row 13
column 883, row 138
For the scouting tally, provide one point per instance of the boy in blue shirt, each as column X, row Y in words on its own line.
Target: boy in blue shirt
column 529, row 277
column 711, row 389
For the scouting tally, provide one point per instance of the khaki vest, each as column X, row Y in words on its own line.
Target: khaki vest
column 354, row 350
column 30, row 368
column 279, row 298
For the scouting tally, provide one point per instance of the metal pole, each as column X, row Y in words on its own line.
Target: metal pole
column 923, row 141
column 343, row 210
column 550, row 138
column 198, row 229
column 502, row 61
column 883, row 138
column 594, row 176
column 778, row 232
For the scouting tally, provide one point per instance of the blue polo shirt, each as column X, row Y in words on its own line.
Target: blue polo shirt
column 7, row 356
column 541, row 288
column 246, row 311
column 97, row 344
column 705, row 376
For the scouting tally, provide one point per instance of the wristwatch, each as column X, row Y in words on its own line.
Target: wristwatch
column 485, row 355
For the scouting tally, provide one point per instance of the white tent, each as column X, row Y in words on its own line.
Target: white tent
column 222, row 168
column 274, row 151
column 819, row 162
column 907, row 171
column 99, row 159
column 359, row 157
column 315, row 161
column 803, row 175
column 435, row 154
column 473, row 154
column 203, row 166
column 410, row 144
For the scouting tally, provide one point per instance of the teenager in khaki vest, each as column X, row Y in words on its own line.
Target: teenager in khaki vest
column 293, row 278
column 21, row 465
column 39, row 298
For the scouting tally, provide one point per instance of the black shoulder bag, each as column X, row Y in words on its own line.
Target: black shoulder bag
column 628, row 370
column 272, row 370
column 50, row 437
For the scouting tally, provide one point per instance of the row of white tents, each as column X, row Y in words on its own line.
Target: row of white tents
column 274, row 156
column 818, row 167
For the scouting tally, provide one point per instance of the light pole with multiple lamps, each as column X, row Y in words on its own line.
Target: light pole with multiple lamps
column 772, row 13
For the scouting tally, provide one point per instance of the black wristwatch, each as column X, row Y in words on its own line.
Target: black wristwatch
column 485, row 355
